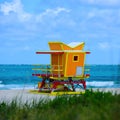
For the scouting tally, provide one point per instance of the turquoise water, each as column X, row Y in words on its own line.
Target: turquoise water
column 20, row 76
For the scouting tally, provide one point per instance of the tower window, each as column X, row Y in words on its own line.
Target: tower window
column 75, row 58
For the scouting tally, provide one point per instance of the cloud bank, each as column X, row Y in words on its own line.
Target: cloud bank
column 15, row 7
column 95, row 22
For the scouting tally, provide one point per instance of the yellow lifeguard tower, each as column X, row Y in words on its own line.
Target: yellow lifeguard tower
column 66, row 70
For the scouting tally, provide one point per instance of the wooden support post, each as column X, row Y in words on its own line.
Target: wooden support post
column 42, row 84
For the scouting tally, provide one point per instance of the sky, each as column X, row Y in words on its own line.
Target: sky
column 28, row 25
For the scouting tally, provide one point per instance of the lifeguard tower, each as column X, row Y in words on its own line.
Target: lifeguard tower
column 66, row 71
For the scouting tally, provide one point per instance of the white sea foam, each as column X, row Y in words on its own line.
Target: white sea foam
column 14, row 86
column 2, row 85
column 100, row 83
column 30, row 86
column 17, row 88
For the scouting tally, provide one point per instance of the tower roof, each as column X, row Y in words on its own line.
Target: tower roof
column 62, row 46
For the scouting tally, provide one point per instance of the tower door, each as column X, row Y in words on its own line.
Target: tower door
column 79, row 71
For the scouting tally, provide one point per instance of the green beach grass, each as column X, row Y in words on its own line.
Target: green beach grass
column 89, row 106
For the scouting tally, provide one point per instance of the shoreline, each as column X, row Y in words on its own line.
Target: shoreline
column 24, row 95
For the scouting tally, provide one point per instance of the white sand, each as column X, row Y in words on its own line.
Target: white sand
column 25, row 96
column 21, row 96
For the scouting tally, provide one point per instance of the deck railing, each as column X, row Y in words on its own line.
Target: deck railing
column 55, row 71
column 48, row 69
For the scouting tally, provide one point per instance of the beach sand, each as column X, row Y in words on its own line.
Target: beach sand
column 112, row 90
column 24, row 95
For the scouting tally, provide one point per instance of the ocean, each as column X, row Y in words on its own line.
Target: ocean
column 20, row 77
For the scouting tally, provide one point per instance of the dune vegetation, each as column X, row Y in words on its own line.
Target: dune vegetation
column 89, row 106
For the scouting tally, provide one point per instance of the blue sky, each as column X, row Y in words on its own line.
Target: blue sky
column 28, row 25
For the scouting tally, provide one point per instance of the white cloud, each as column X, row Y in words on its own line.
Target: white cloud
column 107, row 46
column 51, row 13
column 23, row 26
column 16, row 7
column 8, row 7
column 104, row 45
column 22, row 48
column 56, row 11
column 91, row 14
column 26, row 48
column 103, row 19
column 102, row 2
